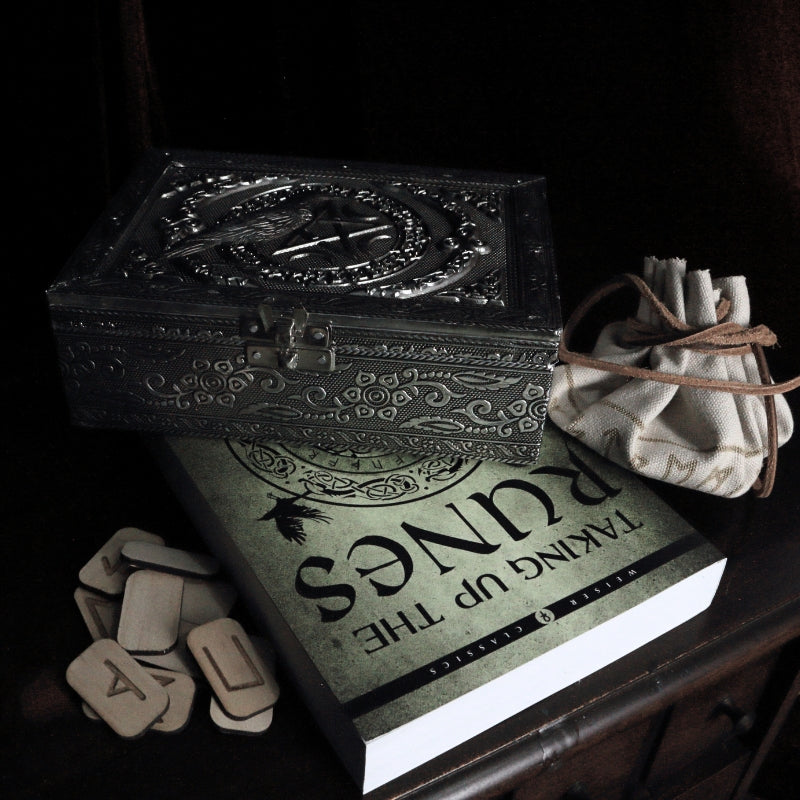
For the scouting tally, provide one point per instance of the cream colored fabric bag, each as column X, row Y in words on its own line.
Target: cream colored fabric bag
column 682, row 392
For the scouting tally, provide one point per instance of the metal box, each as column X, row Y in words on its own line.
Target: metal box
column 350, row 306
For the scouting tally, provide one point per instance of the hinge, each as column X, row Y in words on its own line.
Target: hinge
column 290, row 342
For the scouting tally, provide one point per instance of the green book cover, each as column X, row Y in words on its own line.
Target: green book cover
column 419, row 600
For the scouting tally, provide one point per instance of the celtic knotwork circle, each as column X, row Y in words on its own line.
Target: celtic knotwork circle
column 349, row 475
column 300, row 235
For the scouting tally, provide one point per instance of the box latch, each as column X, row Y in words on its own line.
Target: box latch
column 291, row 342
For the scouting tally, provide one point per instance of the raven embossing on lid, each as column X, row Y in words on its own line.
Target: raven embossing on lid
column 251, row 297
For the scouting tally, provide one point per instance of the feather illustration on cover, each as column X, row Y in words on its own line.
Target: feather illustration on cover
column 682, row 392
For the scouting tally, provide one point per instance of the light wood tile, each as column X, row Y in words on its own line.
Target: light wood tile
column 117, row 688
column 99, row 612
column 236, row 672
column 181, row 690
column 179, row 659
column 169, row 559
column 204, row 601
column 253, row 726
column 106, row 571
column 151, row 607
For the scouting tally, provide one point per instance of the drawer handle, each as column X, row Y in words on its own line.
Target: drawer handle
column 577, row 792
column 742, row 721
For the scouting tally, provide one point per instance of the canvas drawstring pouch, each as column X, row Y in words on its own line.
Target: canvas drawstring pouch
column 682, row 392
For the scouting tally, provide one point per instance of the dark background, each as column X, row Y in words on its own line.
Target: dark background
column 663, row 128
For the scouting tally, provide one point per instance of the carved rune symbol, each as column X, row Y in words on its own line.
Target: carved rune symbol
column 93, row 604
column 110, row 568
column 121, row 683
column 258, row 678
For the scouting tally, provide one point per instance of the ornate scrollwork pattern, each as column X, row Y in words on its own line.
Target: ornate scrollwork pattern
column 369, row 396
column 524, row 415
column 421, row 395
column 81, row 361
column 209, row 382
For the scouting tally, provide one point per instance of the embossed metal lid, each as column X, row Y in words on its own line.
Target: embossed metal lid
column 387, row 245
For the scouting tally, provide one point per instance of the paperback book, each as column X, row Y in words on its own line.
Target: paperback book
column 418, row 600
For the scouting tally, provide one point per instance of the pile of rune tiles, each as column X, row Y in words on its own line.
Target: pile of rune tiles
column 159, row 620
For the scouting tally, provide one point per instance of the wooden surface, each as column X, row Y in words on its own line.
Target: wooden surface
column 637, row 122
column 106, row 570
column 169, row 559
column 241, row 681
column 149, row 622
column 117, row 688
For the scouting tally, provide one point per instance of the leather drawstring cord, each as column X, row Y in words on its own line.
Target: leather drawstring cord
column 723, row 339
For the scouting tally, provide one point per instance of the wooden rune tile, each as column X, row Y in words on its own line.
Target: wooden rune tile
column 241, row 680
column 253, row 726
column 181, row 691
column 151, row 607
column 204, row 601
column 106, row 571
column 169, row 559
column 258, row 724
column 100, row 613
column 179, row 659
column 117, row 688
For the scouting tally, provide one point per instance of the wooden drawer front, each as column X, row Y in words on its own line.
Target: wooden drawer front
column 718, row 785
column 709, row 723
column 599, row 771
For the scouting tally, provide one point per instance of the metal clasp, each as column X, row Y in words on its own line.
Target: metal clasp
column 290, row 342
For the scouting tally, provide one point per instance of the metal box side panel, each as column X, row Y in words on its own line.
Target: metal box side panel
column 432, row 393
